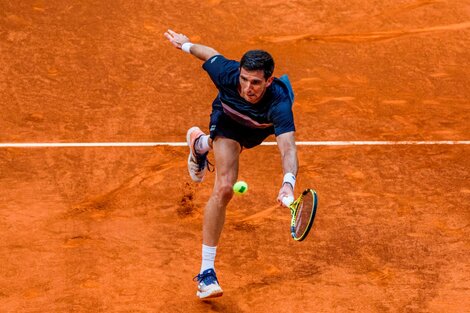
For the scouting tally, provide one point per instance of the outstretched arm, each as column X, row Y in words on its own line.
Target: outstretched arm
column 201, row 52
column 286, row 145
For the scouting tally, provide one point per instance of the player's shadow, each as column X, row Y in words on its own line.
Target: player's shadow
column 215, row 305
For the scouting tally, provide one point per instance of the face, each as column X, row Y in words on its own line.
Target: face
column 253, row 85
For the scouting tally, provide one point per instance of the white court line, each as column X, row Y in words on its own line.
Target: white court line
column 270, row 143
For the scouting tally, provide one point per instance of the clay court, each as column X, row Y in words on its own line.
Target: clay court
column 118, row 228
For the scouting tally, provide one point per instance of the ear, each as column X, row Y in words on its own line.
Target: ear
column 269, row 81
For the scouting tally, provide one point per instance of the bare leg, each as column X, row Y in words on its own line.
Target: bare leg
column 226, row 153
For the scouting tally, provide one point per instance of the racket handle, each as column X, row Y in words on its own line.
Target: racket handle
column 287, row 201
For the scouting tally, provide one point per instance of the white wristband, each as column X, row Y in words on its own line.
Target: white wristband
column 289, row 178
column 186, row 47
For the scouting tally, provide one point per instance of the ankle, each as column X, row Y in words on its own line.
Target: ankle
column 208, row 257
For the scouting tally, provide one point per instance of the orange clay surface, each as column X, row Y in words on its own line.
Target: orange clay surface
column 119, row 229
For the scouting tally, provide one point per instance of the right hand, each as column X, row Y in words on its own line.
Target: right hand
column 285, row 191
column 176, row 39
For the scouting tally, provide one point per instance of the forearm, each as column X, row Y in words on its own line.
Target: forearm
column 202, row 52
column 290, row 163
column 288, row 150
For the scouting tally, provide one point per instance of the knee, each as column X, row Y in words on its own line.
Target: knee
column 224, row 191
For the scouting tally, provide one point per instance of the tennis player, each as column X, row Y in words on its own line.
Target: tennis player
column 250, row 106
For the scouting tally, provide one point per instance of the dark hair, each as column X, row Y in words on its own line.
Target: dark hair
column 255, row 60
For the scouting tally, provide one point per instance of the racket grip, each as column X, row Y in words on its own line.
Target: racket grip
column 287, row 201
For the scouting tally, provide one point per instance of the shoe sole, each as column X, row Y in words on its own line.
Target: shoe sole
column 214, row 294
column 188, row 141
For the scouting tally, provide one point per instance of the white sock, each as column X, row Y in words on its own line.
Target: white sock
column 202, row 144
column 208, row 257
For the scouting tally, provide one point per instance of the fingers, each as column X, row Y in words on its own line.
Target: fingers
column 280, row 198
column 172, row 32
column 170, row 35
column 177, row 39
column 285, row 193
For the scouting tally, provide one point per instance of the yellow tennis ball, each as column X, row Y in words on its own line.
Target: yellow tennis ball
column 240, row 187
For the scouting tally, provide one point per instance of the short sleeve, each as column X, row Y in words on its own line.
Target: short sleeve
column 283, row 117
column 220, row 69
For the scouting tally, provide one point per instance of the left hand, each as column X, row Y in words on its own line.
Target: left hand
column 285, row 191
column 176, row 39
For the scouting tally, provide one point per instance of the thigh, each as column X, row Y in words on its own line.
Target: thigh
column 227, row 156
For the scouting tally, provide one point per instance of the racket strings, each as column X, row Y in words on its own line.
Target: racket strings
column 303, row 217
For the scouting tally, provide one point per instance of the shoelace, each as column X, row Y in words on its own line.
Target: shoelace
column 209, row 167
column 201, row 277
column 202, row 161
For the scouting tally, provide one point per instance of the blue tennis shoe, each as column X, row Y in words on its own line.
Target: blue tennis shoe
column 208, row 285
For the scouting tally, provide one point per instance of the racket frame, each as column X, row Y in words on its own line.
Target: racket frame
column 294, row 210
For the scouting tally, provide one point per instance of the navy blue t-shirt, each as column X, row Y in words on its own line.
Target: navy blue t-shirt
column 273, row 110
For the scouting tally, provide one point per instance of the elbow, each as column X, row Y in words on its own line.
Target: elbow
column 211, row 53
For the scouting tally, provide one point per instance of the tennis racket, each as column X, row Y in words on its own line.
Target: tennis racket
column 303, row 212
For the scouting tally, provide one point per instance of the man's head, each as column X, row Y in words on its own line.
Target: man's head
column 256, row 70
